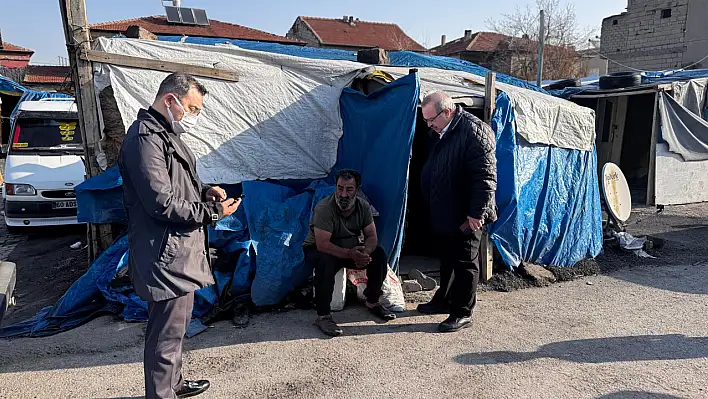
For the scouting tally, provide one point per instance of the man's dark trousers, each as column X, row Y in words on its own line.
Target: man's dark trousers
column 459, row 253
column 167, row 323
column 326, row 268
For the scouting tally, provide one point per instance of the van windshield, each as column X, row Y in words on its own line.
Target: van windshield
column 47, row 135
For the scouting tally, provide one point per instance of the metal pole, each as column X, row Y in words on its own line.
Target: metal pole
column 541, row 43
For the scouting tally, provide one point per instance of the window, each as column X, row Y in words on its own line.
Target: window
column 666, row 13
column 615, row 22
column 47, row 135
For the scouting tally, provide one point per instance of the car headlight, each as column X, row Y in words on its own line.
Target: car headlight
column 19, row 189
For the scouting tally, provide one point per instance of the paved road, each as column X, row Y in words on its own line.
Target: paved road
column 638, row 333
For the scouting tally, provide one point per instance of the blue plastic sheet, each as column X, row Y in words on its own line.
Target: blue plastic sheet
column 9, row 86
column 399, row 58
column 648, row 78
column 548, row 199
column 33, row 95
column 100, row 199
column 377, row 141
column 278, row 220
column 81, row 303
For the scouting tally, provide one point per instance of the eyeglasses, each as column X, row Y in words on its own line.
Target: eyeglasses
column 429, row 121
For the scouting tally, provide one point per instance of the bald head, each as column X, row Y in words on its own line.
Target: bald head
column 438, row 110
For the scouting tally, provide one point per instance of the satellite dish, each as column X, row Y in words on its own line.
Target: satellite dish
column 616, row 192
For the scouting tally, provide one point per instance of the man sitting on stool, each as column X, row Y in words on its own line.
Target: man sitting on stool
column 334, row 241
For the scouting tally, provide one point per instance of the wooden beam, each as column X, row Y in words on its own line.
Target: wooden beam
column 157, row 65
column 77, row 36
column 651, row 180
column 486, row 248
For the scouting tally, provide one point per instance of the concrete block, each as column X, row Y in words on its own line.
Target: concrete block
column 8, row 278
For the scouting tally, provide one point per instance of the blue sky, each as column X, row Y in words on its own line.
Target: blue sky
column 36, row 24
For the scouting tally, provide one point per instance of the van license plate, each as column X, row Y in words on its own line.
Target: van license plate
column 63, row 204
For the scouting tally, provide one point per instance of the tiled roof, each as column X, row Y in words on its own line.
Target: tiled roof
column 11, row 47
column 158, row 25
column 480, row 41
column 47, row 74
column 361, row 34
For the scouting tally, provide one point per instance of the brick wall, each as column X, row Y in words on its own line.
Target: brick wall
column 645, row 36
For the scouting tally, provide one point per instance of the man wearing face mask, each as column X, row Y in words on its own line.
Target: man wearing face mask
column 168, row 210
column 343, row 234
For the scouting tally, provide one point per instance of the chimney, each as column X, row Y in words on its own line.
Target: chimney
column 345, row 18
column 443, row 40
column 177, row 3
column 468, row 34
column 1, row 45
column 351, row 21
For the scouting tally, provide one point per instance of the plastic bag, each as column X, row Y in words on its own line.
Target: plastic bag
column 392, row 296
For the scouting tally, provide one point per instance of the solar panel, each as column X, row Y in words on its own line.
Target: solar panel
column 200, row 16
column 173, row 14
column 187, row 16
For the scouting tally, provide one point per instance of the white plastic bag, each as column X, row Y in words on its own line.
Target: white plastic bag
column 392, row 296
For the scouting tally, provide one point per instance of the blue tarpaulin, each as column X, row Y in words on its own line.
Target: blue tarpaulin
column 377, row 141
column 101, row 199
column 548, row 199
column 648, row 78
column 397, row 59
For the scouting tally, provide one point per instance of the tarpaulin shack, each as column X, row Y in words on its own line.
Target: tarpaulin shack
column 280, row 120
column 288, row 117
column 656, row 131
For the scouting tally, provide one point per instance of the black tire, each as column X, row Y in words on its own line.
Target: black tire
column 563, row 84
column 620, row 80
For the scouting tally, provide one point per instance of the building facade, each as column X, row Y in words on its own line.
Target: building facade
column 656, row 35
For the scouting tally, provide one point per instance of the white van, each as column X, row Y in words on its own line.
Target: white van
column 44, row 164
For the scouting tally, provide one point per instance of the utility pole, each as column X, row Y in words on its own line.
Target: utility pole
column 541, row 43
column 78, row 39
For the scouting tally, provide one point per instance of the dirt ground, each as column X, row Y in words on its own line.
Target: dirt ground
column 635, row 330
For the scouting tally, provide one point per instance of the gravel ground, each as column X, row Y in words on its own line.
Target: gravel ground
column 636, row 330
column 637, row 333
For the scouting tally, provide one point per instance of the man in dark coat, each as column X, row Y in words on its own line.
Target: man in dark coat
column 458, row 180
column 168, row 209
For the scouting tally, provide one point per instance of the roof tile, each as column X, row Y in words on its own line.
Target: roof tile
column 47, row 74
column 11, row 47
column 158, row 25
column 361, row 34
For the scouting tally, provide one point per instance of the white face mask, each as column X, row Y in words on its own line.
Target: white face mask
column 188, row 122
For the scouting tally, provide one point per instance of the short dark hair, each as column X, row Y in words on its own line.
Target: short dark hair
column 349, row 174
column 179, row 84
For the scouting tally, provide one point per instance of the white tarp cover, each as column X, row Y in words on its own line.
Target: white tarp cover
column 540, row 118
column 281, row 119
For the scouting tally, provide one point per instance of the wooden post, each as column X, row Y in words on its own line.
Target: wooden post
column 651, row 183
column 486, row 248
column 78, row 39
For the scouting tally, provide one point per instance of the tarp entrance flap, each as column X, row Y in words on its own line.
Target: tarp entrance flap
column 685, row 132
column 377, row 141
column 548, row 198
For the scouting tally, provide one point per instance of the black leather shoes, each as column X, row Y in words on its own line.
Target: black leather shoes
column 434, row 308
column 192, row 388
column 453, row 323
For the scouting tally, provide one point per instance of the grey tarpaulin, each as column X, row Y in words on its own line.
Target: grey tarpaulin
column 685, row 131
